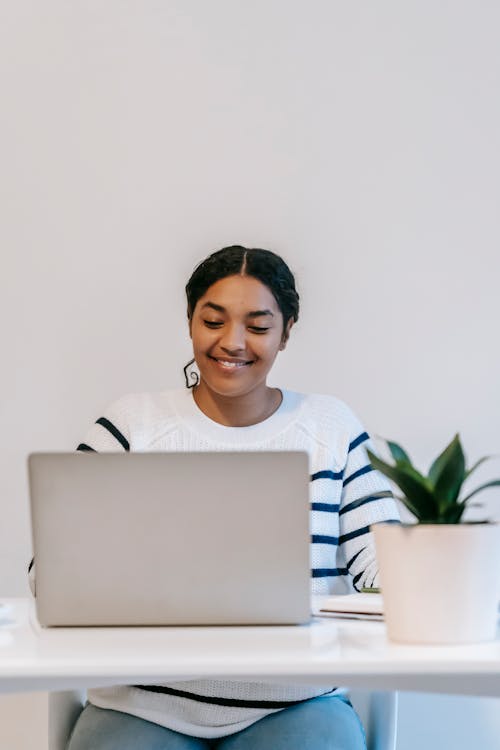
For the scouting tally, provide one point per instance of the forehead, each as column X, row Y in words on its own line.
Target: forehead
column 240, row 294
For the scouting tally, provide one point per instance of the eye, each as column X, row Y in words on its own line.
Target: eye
column 257, row 329
column 212, row 323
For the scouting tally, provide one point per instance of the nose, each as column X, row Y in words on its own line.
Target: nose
column 233, row 338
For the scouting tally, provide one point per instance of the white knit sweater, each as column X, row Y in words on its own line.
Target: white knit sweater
column 346, row 497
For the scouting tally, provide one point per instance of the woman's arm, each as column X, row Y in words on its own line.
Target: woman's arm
column 366, row 499
column 109, row 433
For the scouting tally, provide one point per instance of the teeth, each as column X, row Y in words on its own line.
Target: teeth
column 231, row 364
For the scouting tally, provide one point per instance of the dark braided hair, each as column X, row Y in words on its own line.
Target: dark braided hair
column 264, row 265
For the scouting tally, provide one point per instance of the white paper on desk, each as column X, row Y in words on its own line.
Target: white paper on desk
column 358, row 606
column 349, row 616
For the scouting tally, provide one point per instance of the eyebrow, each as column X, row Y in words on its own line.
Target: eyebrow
column 252, row 314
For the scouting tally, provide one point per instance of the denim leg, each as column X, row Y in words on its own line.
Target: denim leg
column 105, row 729
column 327, row 723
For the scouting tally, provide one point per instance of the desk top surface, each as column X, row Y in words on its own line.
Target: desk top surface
column 349, row 652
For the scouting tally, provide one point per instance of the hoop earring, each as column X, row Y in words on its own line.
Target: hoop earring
column 191, row 375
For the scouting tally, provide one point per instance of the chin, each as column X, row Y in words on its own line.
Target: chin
column 223, row 387
column 227, row 389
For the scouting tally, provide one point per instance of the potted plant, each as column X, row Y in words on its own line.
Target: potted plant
column 440, row 576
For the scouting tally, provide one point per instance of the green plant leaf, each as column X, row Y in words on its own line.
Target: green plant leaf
column 452, row 514
column 418, row 496
column 476, row 465
column 494, row 483
column 399, row 455
column 409, row 506
column 447, row 474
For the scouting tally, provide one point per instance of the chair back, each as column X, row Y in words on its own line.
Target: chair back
column 64, row 708
column 378, row 711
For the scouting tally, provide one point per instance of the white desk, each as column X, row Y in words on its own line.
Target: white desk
column 330, row 652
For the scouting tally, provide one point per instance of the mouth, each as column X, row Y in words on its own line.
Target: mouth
column 231, row 364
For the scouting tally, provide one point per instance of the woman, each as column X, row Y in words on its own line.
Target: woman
column 241, row 306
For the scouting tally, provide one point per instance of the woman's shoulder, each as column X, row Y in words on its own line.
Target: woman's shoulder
column 329, row 422
column 144, row 405
column 136, row 421
column 327, row 407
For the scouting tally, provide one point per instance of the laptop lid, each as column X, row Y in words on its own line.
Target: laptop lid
column 171, row 538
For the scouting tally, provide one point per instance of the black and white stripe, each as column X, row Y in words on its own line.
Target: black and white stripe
column 227, row 702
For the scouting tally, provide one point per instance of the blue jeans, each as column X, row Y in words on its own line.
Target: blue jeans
column 326, row 723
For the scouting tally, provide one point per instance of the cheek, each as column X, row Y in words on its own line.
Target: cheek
column 201, row 337
column 269, row 349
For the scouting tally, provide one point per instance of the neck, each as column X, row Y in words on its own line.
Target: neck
column 238, row 411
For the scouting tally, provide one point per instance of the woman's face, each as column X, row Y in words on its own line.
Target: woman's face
column 237, row 331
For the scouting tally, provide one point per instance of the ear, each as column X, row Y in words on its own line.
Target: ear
column 286, row 334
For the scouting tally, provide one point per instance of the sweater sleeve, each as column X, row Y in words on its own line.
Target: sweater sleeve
column 366, row 499
column 109, row 433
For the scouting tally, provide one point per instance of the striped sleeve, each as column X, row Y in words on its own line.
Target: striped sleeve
column 366, row 499
column 31, row 576
column 110, row 433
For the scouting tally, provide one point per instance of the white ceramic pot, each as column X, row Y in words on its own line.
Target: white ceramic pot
column 440, row 583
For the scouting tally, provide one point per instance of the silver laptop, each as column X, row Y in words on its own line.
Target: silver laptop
column 171, row 538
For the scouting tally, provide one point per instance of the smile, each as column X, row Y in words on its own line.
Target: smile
column 228, row 364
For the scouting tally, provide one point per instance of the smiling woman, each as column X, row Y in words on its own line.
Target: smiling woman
column 241, row 306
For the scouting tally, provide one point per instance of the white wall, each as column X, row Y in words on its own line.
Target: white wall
column 360, row 140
